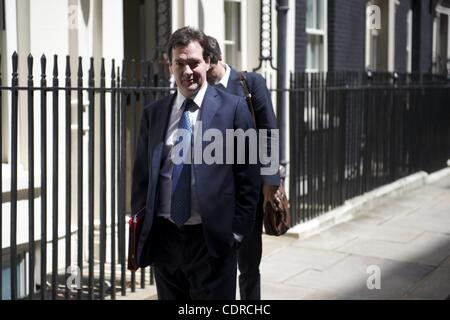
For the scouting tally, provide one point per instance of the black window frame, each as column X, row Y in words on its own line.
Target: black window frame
column 3, row 16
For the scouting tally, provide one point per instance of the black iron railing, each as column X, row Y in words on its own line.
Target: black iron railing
column 352, row 132
column 88, row 188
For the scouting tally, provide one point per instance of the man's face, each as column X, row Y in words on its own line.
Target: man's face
column 189, row 68
column 213, row 74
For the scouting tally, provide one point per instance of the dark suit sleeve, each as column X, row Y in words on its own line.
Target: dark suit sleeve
column 264, row 116
column 140, row 175
column 247, row 178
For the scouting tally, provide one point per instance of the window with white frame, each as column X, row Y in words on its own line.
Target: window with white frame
column 232, row 43
column 5, row 273
column 409, row 31
column 2, row 16
column 441, row 31
column 372, row 35
column 316, row 31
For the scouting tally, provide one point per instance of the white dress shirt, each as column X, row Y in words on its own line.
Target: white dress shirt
column 226, row 76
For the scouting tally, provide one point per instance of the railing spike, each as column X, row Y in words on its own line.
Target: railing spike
column 68, row 71
column 91, row 68
column 55, row 66
column 113, row 67
column 43, row 65
column 30, row 66
column 80, row 67
column 102, row 70
column 15, row 62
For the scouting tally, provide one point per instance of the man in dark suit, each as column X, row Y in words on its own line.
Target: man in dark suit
column 195, row 213
column 226, row 78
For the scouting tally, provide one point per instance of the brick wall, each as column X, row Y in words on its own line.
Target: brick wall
column 346, row 34
column 422, row 36
column 300, row 35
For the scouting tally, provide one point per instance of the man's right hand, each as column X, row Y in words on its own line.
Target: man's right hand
column 272, row 196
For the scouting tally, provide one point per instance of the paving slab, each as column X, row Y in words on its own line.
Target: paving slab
column 435, row 286
column 385, row 232
column 422, row 223
column 373, row 218
column 383, row 214
column 426, row 193
column 439, row 211
column 313, row 258
column 273, row 244
column 327, row 240
column 276, row 291
column 446, row 263
column 349, row 278
column 278, row 271
column 338, row 283
column 411, row 202
column 428, row 248
column 443, row 183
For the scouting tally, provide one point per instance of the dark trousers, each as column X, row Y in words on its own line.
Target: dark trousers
column 184, row 270
column 249, row 258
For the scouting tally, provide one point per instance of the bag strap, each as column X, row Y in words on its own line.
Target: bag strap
column 248, row 98
column 248, row 95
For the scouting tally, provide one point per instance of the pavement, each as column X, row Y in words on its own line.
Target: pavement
column 399, row 249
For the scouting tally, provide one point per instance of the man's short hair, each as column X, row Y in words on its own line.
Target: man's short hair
column 184, row 36
column 214, row 52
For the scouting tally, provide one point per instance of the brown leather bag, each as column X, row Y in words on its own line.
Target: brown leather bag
column 135, row 226
column 276, row 222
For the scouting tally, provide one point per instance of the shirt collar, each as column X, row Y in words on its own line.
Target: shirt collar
column 226, row 76
column 198, row 98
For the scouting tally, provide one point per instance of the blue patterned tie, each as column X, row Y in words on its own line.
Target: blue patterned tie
column 181, row 176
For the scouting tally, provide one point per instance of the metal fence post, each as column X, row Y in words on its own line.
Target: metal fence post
column 14, row 134
column 31, row 249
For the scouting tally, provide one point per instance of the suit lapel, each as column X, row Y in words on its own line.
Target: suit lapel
column 160, row 120
column 210, row 106
column 234, row 86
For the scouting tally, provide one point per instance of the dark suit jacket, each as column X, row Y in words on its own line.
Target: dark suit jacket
column 262, row 104
column 227, row 194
